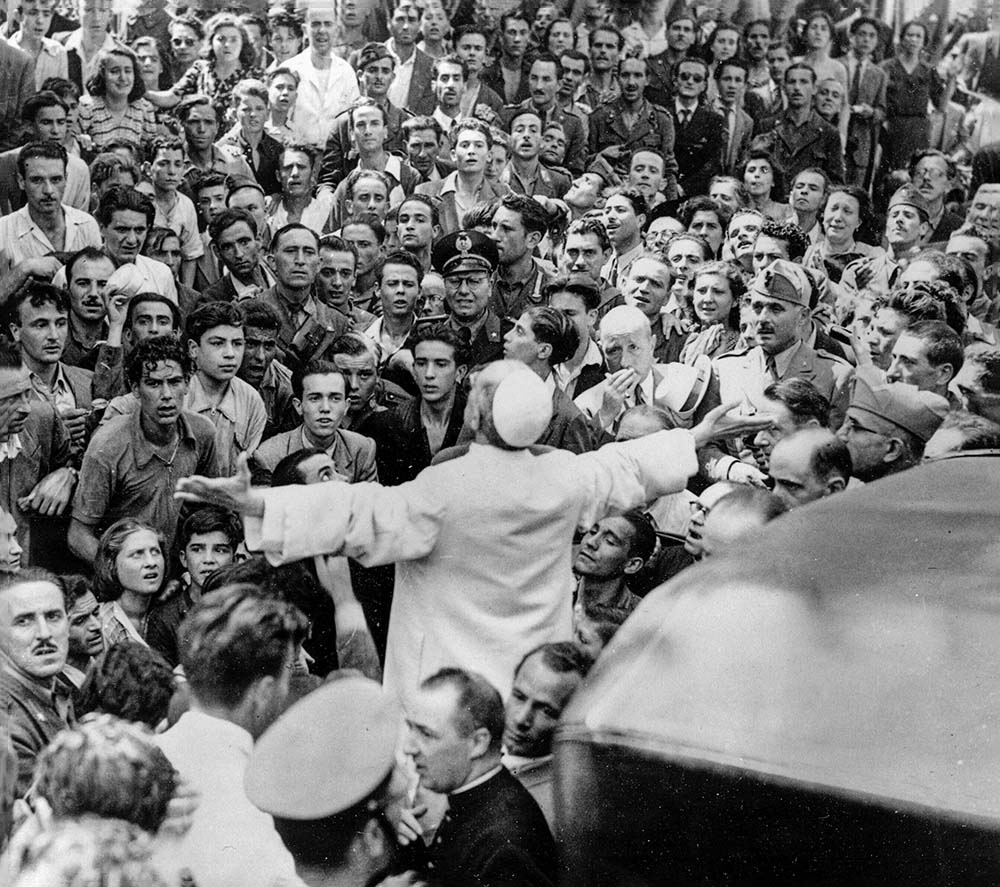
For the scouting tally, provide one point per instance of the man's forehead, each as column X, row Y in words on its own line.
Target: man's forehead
column 354, row 361
column 152, row 309
column 989, row 193
column 162, row 369
column 23, row 597
column 256, row 332
column 84, row 604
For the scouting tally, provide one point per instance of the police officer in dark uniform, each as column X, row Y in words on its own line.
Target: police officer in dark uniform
column 466, row 260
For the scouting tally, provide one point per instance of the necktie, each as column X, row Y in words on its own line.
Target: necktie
column 772, row 367
column 685, row 116
column 856, row 82
column 637, row 395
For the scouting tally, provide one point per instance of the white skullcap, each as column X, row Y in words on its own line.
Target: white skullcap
column 522, row 408
column 623, row 321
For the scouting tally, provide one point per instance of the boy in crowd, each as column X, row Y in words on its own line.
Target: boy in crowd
column 174, row 210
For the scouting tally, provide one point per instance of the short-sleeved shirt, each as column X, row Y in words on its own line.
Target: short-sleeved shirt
column 21, row 238
column 124, row 475
column 182, row 219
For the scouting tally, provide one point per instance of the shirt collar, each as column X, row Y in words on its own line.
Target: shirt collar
column 143, row 449
column 783, row 360
column 486, row 777
column 198, row 402
column 226, row 732
column 11, row 448
column 60, row 385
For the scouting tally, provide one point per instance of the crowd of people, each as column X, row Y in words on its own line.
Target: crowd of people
column 364, row 365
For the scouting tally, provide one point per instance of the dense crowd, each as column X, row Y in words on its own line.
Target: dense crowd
column 363, row 367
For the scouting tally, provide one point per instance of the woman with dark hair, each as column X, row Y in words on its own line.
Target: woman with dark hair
column 559, row 37
column 129, row 572
column 847, row 210
column 231, row 58
column 723, row 45
column 152, row 67
column 763, row 179
column 913, row 85
column 117, row 107
column 819, row 40
column 714, row 301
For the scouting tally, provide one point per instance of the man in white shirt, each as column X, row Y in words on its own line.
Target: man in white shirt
column 327, row 84
column 46, row 225
column 411, row 88
column 230, row 843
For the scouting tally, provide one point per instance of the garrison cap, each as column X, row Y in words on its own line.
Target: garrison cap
column 328, row 752
column 784, row 281
column 905, row 406
column 911, row 197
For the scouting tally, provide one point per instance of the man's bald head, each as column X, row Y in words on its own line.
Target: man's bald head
column 809, row 465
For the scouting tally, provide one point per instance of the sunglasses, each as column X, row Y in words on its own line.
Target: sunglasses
column 182, row 41
column 694, row 78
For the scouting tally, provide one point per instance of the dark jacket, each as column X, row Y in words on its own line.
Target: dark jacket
column 795, row 148
column 698, row 146
column 654, row 132
column 573, row 125
column 337, row 160
column 492, row 76
column 493, row 834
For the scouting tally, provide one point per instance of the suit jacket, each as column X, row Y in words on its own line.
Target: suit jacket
column 17, row 85
column 573, row 125
column 973, row 48
column 353, row 454
column 863, row 132
column 743, row 376
column 79, row 381
column 794, row 148
column 654, row 131
column 301, row 343
column 739, row 141
column 568, row 428
column 447, row 209
column 698, row 146
column 420, row 99
column 493, row 834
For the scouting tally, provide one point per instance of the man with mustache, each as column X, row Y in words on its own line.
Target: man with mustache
column 86, row 640
column 34, row 640
column 779, row 303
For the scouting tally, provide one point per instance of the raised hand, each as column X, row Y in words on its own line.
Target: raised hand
column 233, row 493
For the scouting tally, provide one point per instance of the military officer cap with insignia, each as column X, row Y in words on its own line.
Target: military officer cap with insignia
column 323, row 768
column 464, row 251
column 784, row 281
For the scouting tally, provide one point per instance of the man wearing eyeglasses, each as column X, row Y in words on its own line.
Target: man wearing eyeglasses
column 466, row 260
column 700, row 132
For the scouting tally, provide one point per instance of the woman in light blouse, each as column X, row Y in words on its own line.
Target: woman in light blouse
column 117, row 107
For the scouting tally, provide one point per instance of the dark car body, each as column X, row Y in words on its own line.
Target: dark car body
column 820, row 707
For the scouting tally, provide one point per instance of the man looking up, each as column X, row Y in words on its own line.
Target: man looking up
column 888, row 424
column 542, row 338
column 809, row 465
column 467, row 186
column 544, row 76
column 647, row 287
column 519, row 224
column 45, row 225
column 86, row 640
column 808, row 191
column 613, row 549
column 327, row 84
column 34, row 641
column 544, row 681
column 127, row 468
column 525, row 173
column 624, row 216
column 307, row 325
column 210, row 744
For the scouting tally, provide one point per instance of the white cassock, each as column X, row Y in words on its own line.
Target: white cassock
column 482, row 544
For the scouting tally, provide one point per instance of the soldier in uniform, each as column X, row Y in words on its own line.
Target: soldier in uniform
column 630, row 123
column 466, row 260
column 779, row 302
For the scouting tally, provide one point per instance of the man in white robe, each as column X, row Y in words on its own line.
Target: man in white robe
column 481, row 543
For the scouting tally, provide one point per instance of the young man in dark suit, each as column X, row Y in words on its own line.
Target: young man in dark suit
column 700, row 132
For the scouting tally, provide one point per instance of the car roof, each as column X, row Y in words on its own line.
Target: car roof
column 853, row 644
